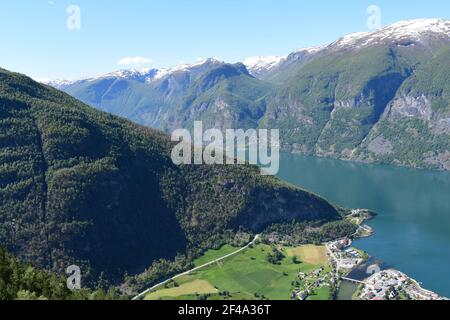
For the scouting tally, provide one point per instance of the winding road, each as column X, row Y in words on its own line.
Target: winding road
column 144, row 293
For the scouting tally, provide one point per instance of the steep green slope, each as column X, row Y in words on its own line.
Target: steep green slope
column 126, row 98
column 225, row 97
column 78, row 186
column 145, row 102
column 329, row 105
column 415, row 129
column 433, row 80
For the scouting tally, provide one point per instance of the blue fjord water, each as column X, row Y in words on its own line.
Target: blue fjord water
column 412, row 229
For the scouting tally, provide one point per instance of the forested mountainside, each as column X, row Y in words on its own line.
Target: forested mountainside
column 20, row 281
column 80, row 186
column 347, row 100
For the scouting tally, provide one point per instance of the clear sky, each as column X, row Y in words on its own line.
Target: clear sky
column 35, row 38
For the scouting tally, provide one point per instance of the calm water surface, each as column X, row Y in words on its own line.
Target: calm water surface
column 413, row 206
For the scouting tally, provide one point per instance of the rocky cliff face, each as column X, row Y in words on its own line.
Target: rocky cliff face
column 414, row 130
column 410, row 133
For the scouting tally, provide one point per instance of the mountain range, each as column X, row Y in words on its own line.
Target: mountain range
column 380, row 96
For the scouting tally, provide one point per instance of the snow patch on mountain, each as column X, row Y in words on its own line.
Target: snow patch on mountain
column 260, row 64
column 188, row 67
column 62, row 84
column 310, row 50
column 349, row 39
column 412, row 30
column 417, row 27
column 148, row 75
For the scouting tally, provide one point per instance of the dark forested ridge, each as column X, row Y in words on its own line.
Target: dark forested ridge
column 20, row 281
column 79, row 186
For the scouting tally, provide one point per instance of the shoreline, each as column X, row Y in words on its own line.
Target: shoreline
column 369, row 215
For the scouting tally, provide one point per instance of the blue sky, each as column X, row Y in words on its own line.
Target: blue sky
column 36, row 41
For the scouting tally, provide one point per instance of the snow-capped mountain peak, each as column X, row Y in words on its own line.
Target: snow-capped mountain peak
column 310, row 50
column 350, row 39
column 187, row 66
column 410, row 30
column 413, row 30
column 124, row 74
column 418, row 26
column 260, row 64
column 58, row 83
column 119, row 74
column 148, row 75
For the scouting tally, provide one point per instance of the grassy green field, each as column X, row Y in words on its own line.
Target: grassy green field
column 194, row 286
column 212, row 255
column 246, row 276
column 316, row 255
column 322, row 293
